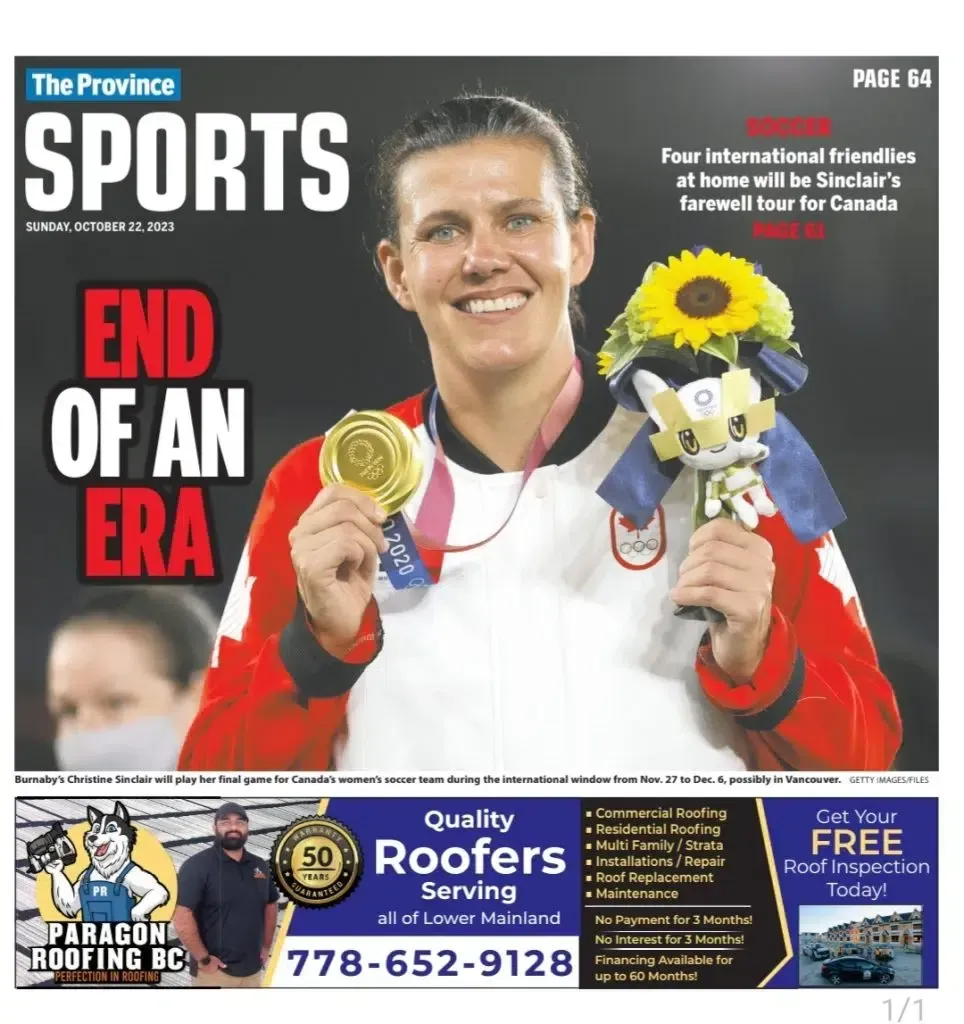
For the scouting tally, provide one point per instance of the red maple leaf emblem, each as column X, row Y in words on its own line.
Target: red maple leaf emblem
column 630, row 524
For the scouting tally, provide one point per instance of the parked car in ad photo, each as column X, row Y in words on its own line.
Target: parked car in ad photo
column 856, row 968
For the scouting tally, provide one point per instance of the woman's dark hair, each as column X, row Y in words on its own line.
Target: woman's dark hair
column 470, row 117
column 181, row 622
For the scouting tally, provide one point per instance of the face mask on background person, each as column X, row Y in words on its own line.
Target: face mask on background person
column 112, row 700
column 146, row 744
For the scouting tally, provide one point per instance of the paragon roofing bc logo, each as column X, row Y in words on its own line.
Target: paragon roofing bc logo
column 106, row 890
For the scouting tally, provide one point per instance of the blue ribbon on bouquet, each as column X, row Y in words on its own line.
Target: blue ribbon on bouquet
column 792, row 472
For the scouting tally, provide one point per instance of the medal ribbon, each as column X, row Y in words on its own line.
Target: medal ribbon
column 434, row 518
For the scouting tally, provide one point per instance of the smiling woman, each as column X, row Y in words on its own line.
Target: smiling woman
column 554, row 646
column 488, row 236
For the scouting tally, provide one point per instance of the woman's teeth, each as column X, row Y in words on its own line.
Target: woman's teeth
column 499, row 305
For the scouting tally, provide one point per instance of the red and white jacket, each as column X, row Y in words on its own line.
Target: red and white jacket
column 554, row 647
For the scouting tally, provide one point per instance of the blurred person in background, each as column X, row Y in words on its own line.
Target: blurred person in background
column 124, row 674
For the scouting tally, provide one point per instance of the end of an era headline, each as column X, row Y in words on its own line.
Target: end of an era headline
column 152, row 522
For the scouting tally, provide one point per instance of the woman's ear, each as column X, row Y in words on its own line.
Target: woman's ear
column 393, row 272
column 582, row 233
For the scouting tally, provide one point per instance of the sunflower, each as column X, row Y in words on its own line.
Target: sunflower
column 696, row 297
column 605, row 361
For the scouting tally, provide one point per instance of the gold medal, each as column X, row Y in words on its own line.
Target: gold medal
column 375, row 453
column 317, row 861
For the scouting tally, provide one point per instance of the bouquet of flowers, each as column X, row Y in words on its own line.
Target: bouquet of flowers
column 701, row 302
column 720, row 335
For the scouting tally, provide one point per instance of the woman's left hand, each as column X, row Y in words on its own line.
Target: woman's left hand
column 730, row 569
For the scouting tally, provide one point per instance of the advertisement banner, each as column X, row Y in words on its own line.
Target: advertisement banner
column 446, row 892
column 631, row 893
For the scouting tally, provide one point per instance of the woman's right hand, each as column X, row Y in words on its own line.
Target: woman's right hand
column 334, row 551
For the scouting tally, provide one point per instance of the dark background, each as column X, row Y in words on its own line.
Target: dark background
column 307, row 321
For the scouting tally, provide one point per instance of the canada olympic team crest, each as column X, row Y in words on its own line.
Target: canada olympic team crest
column 636, row 547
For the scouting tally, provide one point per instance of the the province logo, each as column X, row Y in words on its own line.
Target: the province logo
column 106, row 890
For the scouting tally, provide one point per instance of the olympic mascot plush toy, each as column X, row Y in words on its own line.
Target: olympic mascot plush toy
column 704, row 346
column 713, row 425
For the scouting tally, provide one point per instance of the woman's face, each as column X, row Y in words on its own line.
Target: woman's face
column 101, row 674
column 486, row 254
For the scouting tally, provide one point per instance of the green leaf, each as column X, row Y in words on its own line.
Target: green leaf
column 777, row 344
column 790, row 343
column 726, row 348
column 618, row 324
column 781, row 345
column 618, row 343
column 660, row 348
column 712, row 348
column 650, row 270
column 636, row 337
column 626, row 357
column 615, row 342
column 731, row 346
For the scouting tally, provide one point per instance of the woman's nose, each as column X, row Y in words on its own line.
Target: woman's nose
column 89, row 717
column 484, row 255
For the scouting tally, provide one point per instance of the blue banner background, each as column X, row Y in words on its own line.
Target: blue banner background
column 546, row 822
column 538, row 822
column 791, row 822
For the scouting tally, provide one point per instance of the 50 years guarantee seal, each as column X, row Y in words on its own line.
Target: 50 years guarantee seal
column 317, row 861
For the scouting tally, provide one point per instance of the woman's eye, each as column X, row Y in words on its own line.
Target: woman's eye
column 66, row 711
column 117, row 702
column 519, row 221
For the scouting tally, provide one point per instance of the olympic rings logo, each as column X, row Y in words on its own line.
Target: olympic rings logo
column 638, row 546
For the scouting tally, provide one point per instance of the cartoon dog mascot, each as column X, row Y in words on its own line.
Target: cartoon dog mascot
column 112, row 887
